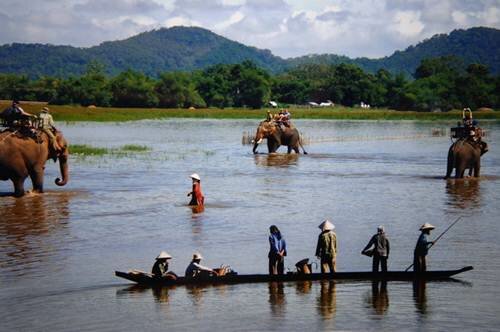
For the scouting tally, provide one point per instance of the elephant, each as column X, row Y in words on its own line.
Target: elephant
column 276, row 136
column 464, row 154
column 22, row 156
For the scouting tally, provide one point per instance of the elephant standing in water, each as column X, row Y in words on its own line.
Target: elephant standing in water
column 464, row 154
column 22, row 156
column 276, row 136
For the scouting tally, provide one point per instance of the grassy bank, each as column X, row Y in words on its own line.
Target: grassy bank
column 79, row 113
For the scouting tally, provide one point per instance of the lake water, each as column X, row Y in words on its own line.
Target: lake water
column 59, row 250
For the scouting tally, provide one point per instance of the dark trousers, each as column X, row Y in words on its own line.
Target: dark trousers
column 379, row 260
column 419, row 263
column 276, row 263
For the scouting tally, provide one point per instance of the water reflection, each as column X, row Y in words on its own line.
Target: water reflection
column 276, row 159
column 379, row 299
column 464, row 193
column 277, row 298
column 26, row 224
column 303, row 287
column 419, row 296
column 327, row 301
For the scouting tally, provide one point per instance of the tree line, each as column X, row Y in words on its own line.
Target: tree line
column 438, row 83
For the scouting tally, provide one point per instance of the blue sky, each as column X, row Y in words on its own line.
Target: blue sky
column 371, row 28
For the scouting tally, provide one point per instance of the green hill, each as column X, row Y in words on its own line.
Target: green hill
column 475, row 45
column 189, row 48
column 153, row 52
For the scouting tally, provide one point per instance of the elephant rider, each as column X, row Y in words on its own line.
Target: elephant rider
column 326, row 249
column 284, row 119
column 196, row 270
column 46, row 124
column 472, row 130
column 160, row 267
column 269, row 116
column 15, row 113
column 380, row 251
column 422, row 248
column 197, row 198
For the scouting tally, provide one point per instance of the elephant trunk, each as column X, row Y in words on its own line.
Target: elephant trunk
column 258, row 139
column 63, row 165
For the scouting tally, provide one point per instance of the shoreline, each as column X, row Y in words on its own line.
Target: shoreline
column 113, row 114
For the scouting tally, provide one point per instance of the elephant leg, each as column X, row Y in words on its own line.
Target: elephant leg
column 477, row 168
column 449, row 167
column 37, row 180
column 18, row 187
column 460, row 172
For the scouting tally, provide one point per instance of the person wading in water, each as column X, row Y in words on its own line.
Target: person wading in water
column 197, row 198
column 380, row 251
column 422, row 248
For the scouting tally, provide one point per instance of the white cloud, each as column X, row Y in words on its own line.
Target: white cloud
column 287, row 27
column 408, row 23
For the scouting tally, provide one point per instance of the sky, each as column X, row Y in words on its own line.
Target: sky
column 289, row 28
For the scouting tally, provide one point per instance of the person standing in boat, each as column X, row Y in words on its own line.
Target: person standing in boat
column 196, row 270
column 326, row 249
column 380, row 251
column 197, row 198
column 277, row 251
column 422, row 248
column 160, row 267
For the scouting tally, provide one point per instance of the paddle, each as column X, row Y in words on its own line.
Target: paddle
column 436, row 240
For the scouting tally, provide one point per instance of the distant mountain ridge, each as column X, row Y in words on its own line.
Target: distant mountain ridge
column 191, row 48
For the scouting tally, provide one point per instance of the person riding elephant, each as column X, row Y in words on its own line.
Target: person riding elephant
column 46, row 124
column 14, row 115
column 21, row 157
column 463, row 154
column 277, row 137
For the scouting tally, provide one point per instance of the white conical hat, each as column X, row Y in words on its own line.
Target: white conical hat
column 164, row 255
column 326, row 225
column 195, row 176
column 197, row 255
column 426, row 226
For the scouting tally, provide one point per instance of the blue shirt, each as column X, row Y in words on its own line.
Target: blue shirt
column 277, row 243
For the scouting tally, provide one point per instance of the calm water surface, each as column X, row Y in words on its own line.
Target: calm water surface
column 59, row 250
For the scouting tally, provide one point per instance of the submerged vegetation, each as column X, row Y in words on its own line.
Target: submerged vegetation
column 87, row 150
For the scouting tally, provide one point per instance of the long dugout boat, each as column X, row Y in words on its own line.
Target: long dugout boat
column 147, row 279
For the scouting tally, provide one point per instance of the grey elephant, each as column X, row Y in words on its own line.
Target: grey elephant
column 22, row 156
column 465, row 154
column 277, row 136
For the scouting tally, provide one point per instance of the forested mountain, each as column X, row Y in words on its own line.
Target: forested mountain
column 189, row 48
column 153, row 52
column 475, row 45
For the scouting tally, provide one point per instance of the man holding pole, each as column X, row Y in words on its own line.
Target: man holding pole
column 422, row 248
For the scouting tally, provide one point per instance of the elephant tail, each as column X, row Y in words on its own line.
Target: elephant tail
column 302, row 146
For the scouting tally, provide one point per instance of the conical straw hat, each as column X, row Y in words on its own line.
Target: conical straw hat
column 326, row 225
column 426, row 226
column 164, row 255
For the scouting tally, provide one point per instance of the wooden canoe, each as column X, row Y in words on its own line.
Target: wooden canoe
column 146, row 279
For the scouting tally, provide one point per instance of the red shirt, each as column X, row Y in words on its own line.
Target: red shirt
column 198, row 197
